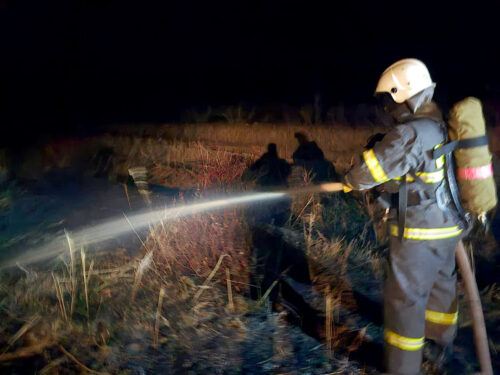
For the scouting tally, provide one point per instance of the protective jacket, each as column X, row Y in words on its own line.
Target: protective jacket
column 419, row 292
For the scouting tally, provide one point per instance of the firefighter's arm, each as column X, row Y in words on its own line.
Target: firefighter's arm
column 392, row 157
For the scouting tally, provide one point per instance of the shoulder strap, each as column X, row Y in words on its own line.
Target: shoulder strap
column 463, row 143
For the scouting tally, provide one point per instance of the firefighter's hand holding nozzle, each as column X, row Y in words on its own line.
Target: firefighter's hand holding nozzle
column 346, row 188
column 329, row 187
column 333, row 187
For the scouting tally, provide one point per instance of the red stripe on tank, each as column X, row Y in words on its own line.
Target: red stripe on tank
column 478, row 173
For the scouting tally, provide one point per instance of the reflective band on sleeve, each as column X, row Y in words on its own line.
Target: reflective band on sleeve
column 478, row 173
column 402, row 342
column 427, row 177
column 427, row 234
column 441, row 318
column 374, row 166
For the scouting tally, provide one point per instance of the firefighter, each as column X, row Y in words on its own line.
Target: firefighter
column 419, row 292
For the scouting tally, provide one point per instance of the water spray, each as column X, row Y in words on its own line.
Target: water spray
column 116, row 227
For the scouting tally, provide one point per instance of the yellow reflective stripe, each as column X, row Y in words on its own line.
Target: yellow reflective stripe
column 432, row 177
column 440, row 160
column 427, row 177
column 437, row 146
column 441, row 318
column 374, row 166
column 402, row 342
column 427, row 234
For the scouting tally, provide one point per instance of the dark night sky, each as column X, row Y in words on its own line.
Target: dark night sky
column 74, row 64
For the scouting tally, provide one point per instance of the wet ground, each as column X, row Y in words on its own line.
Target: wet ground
column 34, row 212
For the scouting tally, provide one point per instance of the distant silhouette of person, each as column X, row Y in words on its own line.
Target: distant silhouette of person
column 309, row 156
column 269, row 173
column 307, row 150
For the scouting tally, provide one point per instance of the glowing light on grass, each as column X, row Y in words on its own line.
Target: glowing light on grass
column 118, row 226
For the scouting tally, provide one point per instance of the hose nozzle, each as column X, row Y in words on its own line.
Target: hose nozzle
column 329, row 187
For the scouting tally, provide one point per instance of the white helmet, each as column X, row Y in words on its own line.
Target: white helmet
column 404, row 79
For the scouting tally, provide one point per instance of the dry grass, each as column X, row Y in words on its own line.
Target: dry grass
column 329, row 137
column 336, row 266
column 115, row 328
column 181, row 152
column 177, row 163
column 195, row 245
column 166, row 149
column 180, row 305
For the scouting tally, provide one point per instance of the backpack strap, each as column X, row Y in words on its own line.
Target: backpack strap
column 463, row 143
column 452, row 184
column 449, row 165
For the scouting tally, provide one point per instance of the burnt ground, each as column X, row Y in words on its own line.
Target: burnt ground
column 33, row 211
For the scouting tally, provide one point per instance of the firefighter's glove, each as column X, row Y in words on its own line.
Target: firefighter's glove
column 346, row 188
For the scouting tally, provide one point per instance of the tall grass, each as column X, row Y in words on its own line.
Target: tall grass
column 195, row 245
column 108, row 328
column 179, row 305
column 335, row 141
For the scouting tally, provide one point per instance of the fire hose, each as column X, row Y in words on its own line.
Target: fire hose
column 479, row 328
column 473, row 299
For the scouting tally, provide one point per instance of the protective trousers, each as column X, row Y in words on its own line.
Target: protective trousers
column 419, row 300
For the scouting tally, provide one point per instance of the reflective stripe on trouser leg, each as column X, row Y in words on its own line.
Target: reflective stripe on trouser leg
column 441, row 327
column 446, row 319
column 441, row 314
column 402, row 362
column 413, row 269
column 427, row 234
column 405, row 298
column 403, row 353
column 404, row 343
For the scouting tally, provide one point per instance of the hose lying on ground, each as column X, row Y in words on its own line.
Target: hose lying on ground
column 480, row 336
